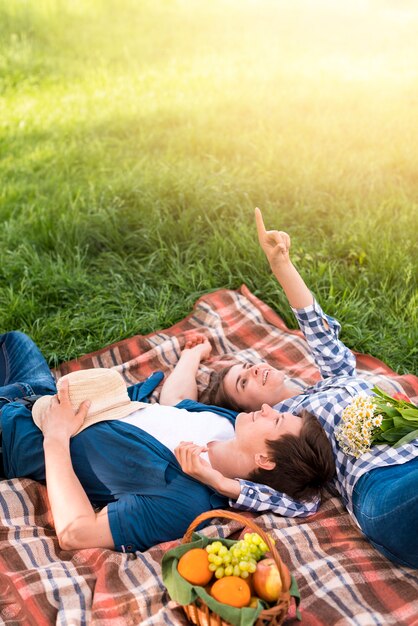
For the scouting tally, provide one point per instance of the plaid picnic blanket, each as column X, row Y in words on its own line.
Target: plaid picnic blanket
column 343, row 580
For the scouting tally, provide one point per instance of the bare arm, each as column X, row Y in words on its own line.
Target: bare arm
column 321, row 332
column 276, row 246
column 76, row 523
column 181, row 383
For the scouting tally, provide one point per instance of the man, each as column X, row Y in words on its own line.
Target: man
column 96, row 448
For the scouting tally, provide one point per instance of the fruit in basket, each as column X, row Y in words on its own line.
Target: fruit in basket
column 194, row 567
column 253, row 602
column 241, row 558
column 232, row 590
column 266, row 580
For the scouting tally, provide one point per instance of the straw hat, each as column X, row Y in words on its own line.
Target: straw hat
column 106, row 390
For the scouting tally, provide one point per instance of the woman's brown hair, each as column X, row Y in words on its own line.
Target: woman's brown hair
column 214, row 393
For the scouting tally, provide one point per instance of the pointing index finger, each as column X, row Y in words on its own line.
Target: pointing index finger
column 261, row 229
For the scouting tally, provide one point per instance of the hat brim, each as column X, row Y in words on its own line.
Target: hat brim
column 113, row 413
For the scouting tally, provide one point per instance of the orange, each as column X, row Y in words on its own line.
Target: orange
column 194, row 567
column 232, row 590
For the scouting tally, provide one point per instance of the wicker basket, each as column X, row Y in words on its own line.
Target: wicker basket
column 200, row 614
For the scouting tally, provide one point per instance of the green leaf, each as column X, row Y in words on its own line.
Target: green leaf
column 382, row 398
column 407, row 438
column 382, row 394
column 409, row 414
column 400, row 422
column 378, row 440
column 389, row 411
column 407, row 405
column 386, row 424
column 395, row 434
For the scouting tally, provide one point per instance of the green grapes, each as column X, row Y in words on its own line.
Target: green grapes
column 241, row 558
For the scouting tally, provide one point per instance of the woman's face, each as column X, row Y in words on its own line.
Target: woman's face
column 249, row 386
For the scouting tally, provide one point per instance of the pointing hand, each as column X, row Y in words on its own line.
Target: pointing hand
column 275, row 243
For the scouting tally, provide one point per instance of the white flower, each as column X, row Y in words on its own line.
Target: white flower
column 377, row 421
column 357, row 427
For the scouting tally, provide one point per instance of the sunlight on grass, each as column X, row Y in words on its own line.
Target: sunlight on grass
column 141, row 134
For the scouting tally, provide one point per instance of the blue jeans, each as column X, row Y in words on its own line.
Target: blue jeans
column 385, row 503
column 23, row 371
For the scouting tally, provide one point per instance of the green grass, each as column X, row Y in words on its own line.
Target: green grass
column 136, row 138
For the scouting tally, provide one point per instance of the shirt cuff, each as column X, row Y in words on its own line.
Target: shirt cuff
column 116, row 528
column 245, row 493
column 313, row 310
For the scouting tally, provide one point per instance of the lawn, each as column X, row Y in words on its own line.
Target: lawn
column 137, row 136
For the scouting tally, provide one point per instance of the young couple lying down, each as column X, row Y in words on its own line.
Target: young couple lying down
column 127, row 475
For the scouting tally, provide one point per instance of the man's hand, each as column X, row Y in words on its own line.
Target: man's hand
column 200, row 345
column 188, row 455
column 60, row 420
column 275, row 243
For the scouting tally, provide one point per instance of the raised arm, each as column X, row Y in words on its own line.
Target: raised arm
column 276, row 246
column 181, row 383
column 321, row 331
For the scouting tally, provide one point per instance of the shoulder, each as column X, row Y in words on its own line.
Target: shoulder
column 197, row 407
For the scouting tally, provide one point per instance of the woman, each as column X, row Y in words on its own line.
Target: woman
column 379, row 488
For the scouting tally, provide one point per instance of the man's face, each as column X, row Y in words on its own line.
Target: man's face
column 254, row 428
column 248, row 386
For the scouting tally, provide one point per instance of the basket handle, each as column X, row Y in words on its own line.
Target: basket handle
column 243, row 520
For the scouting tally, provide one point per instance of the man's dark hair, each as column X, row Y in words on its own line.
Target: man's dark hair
column 304, row 463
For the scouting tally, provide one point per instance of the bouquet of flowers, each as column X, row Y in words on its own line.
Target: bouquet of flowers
column 379, row 419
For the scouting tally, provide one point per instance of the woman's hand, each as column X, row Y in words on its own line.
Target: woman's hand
column 181, row 383
column 200, row 345
column 275, row 243
column 60, row 421
column 276, row 246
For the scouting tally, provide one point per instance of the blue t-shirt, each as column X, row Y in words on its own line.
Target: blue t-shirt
column 120, row 466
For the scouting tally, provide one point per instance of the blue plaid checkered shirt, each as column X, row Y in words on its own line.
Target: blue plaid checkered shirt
column 326, row 399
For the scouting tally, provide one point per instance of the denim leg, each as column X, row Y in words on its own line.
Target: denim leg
column 385, row 504
column 23, row 369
